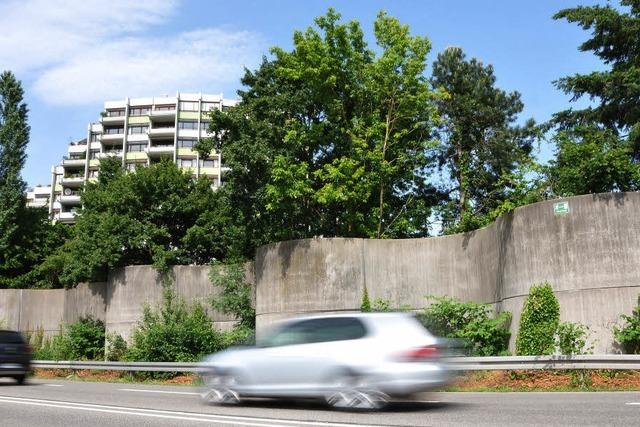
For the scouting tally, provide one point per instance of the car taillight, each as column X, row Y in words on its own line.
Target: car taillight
column 419, row 354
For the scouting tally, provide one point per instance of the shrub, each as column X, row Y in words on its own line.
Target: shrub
column 85, row 339
column 173, row 332
column 471, row 322
column 379, row 304
column 365, row 305
column 236, row 293
column 629, row 334
column 116, row 347
column 571, row 338
column 539, row 322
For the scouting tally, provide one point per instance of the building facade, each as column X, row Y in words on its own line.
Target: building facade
column 140, row 132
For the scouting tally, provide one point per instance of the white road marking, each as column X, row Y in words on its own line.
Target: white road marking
column 174, row 415
column 137, row 390
column 53, row 385
column 633, row 403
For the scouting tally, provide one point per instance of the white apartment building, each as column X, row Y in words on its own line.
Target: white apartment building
column 39, row 196
column 140, row 132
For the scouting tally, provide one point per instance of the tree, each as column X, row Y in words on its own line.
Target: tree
column 14, row 137
column 484, row 154
column 592, row 160
column 150, row 216
column 615, row 38
column 330, row 139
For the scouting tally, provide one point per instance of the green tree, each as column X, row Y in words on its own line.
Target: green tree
column 150, row 216
column 14, row 137
column 615, row 39
column 485, row 156
column 538, row 322
column 592, row 160
column 330, row 138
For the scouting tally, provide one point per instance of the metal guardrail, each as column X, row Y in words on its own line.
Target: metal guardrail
column 603, row 361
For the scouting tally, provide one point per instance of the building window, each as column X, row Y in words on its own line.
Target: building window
column 94, row 137
column 136, row 147
column 188, row 124
column 186, row 142
column 167, row 125
column 138, row 129
column 170, row 107
column 114, row 130
column 210, row 163
column 115, row 113
column 188, row 106
column 93, row 173
column 93, row 154
column 139, row 111
column 187, row 163
column 114, row 149
column 204, row 125
column 208, row 106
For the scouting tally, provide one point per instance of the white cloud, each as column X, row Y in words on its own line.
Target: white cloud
column 87, row 51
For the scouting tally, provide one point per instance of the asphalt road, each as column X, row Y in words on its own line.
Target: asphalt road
column 71, row 403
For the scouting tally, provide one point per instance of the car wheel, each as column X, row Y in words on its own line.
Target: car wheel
column 352, row 392
column 219, row 390
column 20, row 379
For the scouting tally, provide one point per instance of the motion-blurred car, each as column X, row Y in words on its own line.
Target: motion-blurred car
column 351, row 360
column 15, row 356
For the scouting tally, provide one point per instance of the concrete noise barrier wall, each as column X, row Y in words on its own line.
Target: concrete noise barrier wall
column 587, row 247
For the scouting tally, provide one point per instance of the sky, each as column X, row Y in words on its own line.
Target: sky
column 72, row 55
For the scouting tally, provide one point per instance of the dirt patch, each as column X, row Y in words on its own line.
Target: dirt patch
column 112, row 376
column 539, row 380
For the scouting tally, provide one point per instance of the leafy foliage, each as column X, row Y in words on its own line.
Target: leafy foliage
column 614, row 39
column 173, row 332
column 365, row 305
column 572, row 338
column 330, row 138
column 483, row 154
column 592, row 160
column 116, row 347
column 629, row 334
column 469, row 321
column 539, row 322
column 81, row 340
column 236, row 297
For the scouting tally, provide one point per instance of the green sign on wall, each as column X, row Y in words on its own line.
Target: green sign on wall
column 561, row 208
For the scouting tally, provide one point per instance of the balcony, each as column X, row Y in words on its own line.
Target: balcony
column 159, row 150
column 162, row 132
column 73, row 198
column 112, row 137
column 73, row 161
column 66, row 217
column 115, row 117
column 73, row 180
column 110, row 153
column 163, row 115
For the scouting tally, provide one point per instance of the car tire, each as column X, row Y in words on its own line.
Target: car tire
column 20, row 379
column 351, row 392
column 219, row 390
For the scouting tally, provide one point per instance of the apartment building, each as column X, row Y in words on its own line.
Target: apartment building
column 140, row 132
column 39, row 196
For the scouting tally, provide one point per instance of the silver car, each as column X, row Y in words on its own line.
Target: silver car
column 351, row 360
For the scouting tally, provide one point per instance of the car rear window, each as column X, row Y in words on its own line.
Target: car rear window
column 317, row 331
column 10, row 337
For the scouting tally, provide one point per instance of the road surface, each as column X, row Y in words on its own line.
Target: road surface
column 73, row 403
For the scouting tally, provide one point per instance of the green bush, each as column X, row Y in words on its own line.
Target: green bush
column 571, row 338
column 236, row 293
column 539, row 322
column 365, row 305
column 116, row 347
column 173, row 332
column 81, row 340
column 629, row 334
column 469, row 321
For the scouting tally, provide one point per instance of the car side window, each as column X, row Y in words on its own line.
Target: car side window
column 317, row 331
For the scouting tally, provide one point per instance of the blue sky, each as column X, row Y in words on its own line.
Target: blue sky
column 73, row 55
